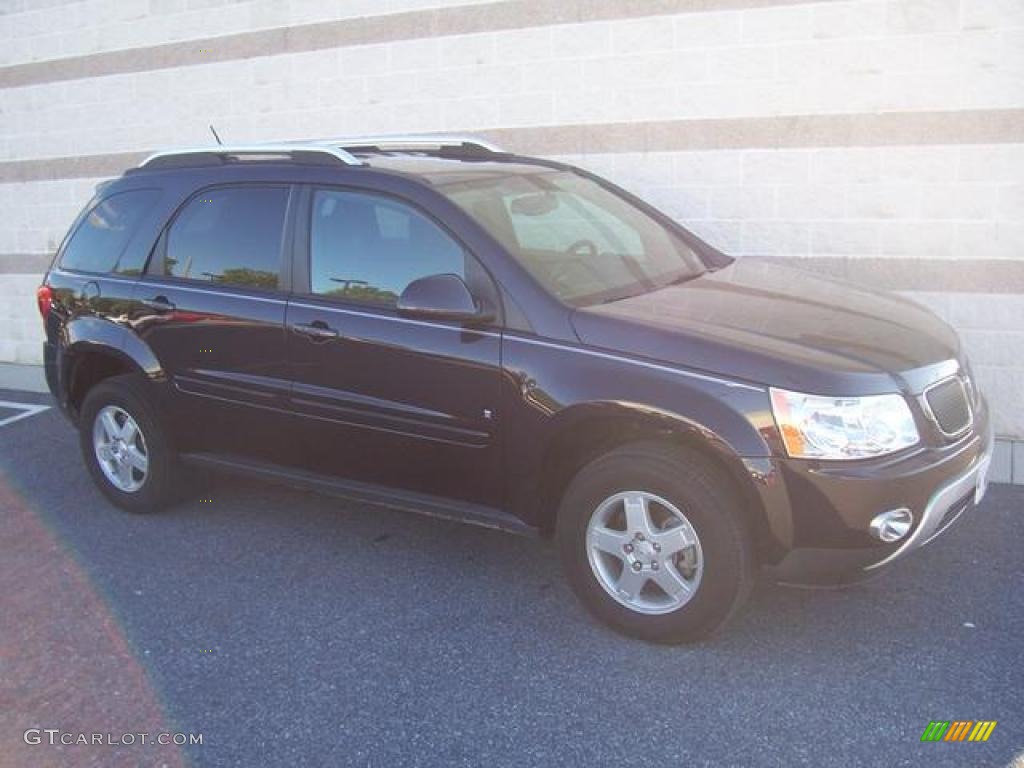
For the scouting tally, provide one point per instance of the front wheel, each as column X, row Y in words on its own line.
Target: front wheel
column 653, row 542
column 124, row 445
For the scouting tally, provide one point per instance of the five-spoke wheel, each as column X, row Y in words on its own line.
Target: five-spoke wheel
column 653, row 540
column 644, row 552
column 126, row 446
column 120, row 448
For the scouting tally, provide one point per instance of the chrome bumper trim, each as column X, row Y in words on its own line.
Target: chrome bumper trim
column 942, row 502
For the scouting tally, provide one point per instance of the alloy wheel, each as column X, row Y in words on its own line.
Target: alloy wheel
column 644, row 552
column 120, row 448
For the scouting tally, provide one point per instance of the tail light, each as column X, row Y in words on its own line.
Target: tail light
column 44, row 298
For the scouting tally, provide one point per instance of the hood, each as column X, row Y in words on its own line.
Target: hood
column 770, row 324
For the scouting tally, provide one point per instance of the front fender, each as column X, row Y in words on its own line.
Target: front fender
column 724, row 439
column 757, row 478
column 552, row 390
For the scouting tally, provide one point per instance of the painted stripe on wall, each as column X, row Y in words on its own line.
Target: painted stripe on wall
column 58, row 168
column 898, row 274
column 409, row 25
column 24, row 263
column 980, row 126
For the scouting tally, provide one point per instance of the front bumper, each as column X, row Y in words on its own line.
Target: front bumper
column 947, row 504
column 828, row 510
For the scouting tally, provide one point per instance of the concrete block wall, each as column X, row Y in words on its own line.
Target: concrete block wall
column 878, row 140
column 22, row 332
column 950, row 202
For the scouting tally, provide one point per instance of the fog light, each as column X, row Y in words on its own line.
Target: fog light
column 892, row 525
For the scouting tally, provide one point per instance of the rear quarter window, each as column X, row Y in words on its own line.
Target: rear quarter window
column 102, row 236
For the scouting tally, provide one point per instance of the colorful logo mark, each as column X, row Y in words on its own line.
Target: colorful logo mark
column 958, row 730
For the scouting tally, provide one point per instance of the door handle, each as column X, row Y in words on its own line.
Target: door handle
column 159, row 304
column 318, row 330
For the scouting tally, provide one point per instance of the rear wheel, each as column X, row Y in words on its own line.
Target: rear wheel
column 653, row 542
column 125, row 446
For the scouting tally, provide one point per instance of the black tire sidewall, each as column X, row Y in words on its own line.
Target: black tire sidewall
column 689, row 482
column 129, row 392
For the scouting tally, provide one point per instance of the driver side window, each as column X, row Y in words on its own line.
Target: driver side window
column 367, row 248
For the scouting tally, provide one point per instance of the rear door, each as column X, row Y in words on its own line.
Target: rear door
column 382, row 398
column 211, row 306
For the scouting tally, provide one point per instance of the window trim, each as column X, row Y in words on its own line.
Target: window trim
column 303, row 254
column 58, row 262
column 158, row 252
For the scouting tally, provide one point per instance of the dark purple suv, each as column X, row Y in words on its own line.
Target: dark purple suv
column 433, row 324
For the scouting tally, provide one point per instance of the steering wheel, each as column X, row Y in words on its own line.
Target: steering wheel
column 561, row 272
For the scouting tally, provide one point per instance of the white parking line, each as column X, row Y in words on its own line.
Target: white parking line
column 29, row 410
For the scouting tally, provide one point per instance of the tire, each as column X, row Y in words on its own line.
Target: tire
column 149, row 489
column 690, row 507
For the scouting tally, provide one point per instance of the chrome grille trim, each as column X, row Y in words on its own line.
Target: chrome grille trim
column 930, row 412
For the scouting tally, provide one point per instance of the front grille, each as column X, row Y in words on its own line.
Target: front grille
column 948, row 404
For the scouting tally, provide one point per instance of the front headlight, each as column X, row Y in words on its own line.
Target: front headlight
column 816, row 427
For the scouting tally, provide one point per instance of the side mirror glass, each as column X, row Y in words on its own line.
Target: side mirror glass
column 440, row 297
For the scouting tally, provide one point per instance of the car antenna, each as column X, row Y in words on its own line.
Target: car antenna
column 214, row 132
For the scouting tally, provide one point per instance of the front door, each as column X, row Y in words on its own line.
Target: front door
column 381, row 398
column 211, row 306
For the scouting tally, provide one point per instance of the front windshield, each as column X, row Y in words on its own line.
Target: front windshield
column 585, row 244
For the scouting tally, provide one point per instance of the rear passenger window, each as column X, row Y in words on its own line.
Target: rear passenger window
column 229, row 236
column 103, row 234
column 367, row 248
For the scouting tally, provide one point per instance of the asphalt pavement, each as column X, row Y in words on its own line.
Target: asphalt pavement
column 291, row 629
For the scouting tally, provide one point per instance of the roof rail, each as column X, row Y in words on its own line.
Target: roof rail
column 411, row 142
column 258, row 149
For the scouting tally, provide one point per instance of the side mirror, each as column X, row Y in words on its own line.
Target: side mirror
column 441, row 297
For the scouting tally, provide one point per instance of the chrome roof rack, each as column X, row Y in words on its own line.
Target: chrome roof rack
column 330, row 149
column 411, row 142
column 336, row 148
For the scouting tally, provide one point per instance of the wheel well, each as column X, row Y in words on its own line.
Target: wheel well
column 577, row 446
column 88, row 370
